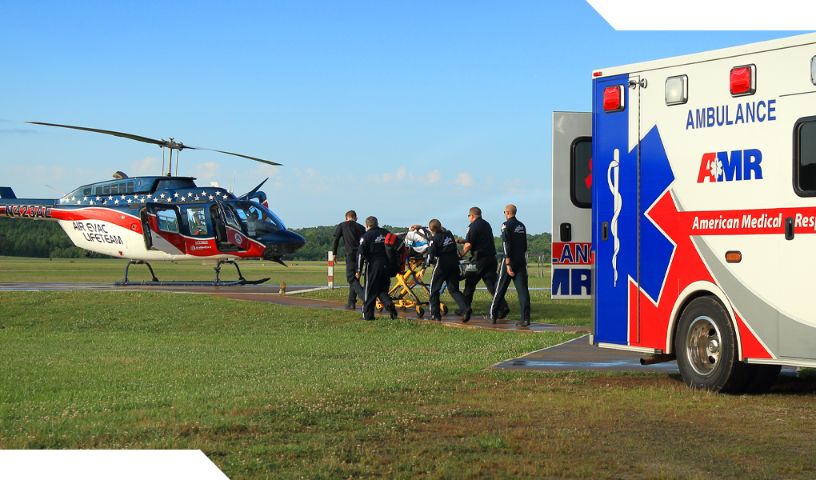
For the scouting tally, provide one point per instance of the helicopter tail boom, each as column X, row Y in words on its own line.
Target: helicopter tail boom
column 7, row 192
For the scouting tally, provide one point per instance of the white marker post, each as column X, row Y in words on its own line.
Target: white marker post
column 331, row 270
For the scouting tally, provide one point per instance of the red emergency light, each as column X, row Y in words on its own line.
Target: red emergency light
column 742, row 80
column 613, row 98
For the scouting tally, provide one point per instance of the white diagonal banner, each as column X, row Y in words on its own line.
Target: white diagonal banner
column 107, row 464
column 708, row 14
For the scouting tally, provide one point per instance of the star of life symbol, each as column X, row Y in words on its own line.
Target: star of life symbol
column 237, row 238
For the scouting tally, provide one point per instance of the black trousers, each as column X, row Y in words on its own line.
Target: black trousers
column 520, row 280
column 378, row 279
column 446, row 271
column 355, row 289
column 486, row 270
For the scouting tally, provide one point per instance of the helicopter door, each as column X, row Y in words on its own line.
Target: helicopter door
column 228, row 233
column 162, row 228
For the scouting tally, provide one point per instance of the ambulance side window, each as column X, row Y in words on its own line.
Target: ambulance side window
column 581, row 172
column 804, row 171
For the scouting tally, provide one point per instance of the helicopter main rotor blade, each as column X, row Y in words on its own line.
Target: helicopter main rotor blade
column 161, row 143
column 171, row 144
column 268, row 162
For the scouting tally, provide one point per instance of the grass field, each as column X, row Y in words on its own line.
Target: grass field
column 19, row 269
column 280, row 392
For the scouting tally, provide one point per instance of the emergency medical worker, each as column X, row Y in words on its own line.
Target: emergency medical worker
column 514, row 266
column 479, row 242
column 378, row 271
column 444, row 252
column 351, row 232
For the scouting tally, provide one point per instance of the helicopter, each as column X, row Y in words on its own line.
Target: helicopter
column 163, row 218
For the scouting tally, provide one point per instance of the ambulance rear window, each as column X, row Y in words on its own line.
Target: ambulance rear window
column 581, row 172
column 805, row 166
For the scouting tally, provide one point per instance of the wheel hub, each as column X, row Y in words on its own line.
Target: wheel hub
column 703, row 345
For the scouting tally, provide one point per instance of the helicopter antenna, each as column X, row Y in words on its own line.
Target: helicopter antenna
column 170, row 144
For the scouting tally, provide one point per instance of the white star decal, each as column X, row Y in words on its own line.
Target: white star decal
column 116, row 202
column 110, row 198
column 196, row 198
column 190, row 194
column 97, row 199
column 129, row 200
column 162, row 195
column 176, row 195
column 211, row 197
column 90, row 202
column 84, row 198
column 203, row 192
column 79, row 202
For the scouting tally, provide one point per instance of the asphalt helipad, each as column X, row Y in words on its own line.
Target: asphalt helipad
column 579, row 354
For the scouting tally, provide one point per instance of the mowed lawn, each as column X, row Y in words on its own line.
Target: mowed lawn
column 110, row 270
column 281, row 392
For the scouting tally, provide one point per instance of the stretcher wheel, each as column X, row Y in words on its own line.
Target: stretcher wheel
column 420, row 311
column 379, row 309
column 444, row 309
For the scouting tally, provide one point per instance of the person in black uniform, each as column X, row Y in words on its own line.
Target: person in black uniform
column 442, row 249
column 351, row 232
column 479, row 242
column 514, row 240
column 378, row 271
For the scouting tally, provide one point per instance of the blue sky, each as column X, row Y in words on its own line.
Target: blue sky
column 404, row 110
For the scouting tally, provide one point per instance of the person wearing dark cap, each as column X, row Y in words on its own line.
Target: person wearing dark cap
column 351, row 232
column 514, row 266
column 442, row 250
column 479, row 242
column 378, row 269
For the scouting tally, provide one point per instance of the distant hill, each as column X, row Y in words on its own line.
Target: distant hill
column 46, row 239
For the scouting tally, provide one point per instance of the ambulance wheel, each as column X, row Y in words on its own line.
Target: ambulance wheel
column 706, row 348
column 420, row 311
column 762, row 378
column 444, row 309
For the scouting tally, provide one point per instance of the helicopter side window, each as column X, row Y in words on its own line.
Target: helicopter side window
column 129, row 187
column 114, row 189
column 86, row 192
column 197, row 221
column 168, row 221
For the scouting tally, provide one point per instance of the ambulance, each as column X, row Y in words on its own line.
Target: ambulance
column 684, row 206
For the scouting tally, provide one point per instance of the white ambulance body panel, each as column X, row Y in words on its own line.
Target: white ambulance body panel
column 572, row 207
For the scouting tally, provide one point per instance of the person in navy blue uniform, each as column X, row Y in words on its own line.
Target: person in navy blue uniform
column 442, row 250
column 479, row 243
column 514, row 267
column 378, row 269
column 351, row 232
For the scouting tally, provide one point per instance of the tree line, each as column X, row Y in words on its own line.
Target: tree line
column 47, row 240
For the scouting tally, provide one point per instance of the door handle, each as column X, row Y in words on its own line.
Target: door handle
column 566, row 232
column 604, row 230
column 789, row 228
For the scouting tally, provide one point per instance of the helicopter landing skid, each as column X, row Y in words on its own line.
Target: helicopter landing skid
column 190, row 283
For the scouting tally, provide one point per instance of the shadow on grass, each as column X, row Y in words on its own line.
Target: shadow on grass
column 803, row 383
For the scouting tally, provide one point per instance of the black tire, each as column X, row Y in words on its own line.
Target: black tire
column 762, row 378
column 420, row 311
column 444, row 309
column 706, row 348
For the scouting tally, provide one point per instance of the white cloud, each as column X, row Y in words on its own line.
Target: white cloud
column 146, row 166
column 464, row 179
column 432, row 177
column 401, row 174
column 207, row 171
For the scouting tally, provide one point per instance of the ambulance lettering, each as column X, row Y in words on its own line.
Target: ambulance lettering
column 731, row 166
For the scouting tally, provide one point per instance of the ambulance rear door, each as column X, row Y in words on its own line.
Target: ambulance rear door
column 572, row 205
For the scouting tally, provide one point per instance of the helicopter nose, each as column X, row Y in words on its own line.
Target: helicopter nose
column 282, row 243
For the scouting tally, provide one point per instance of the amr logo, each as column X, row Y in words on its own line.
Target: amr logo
column 731, row 166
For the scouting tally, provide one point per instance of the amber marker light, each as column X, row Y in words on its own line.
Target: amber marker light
column 733, row 256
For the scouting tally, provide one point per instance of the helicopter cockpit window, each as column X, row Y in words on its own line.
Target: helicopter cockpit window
column 197, row 221
column 256, row 219
column 168, row 221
